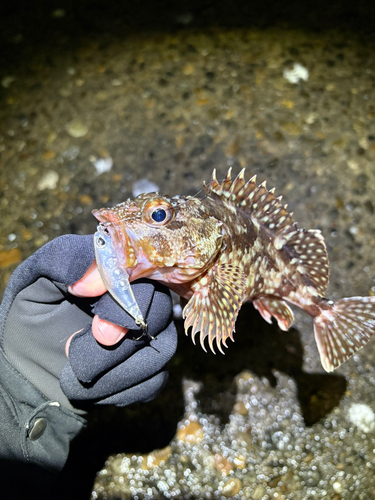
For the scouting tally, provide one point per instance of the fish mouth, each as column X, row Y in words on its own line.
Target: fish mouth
column 121, row 241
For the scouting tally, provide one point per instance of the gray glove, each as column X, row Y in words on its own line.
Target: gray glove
column 38, row 315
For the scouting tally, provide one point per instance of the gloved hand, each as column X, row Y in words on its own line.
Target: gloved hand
column 43, row 306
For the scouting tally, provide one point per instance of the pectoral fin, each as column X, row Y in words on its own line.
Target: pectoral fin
column 271, row 307
column 214, row 306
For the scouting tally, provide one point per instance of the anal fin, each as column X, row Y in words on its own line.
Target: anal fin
column 270, row 307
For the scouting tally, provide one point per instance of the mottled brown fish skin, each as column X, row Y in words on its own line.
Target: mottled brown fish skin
column 237, row 244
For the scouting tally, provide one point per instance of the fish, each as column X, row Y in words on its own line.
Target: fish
column 236, row 243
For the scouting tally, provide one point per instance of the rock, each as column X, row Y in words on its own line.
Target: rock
column 10, row 257
column 48, row 181
column 157, row 457
column 232, row 487
column 188, row 69
column 240, row 408
column 297, row 73
column 49, row 155
column 85, row 199
column 362, row 416
column 191, row 433
column 71, row 153
column 76, row 128
column 240, row 461
column 7, row 81
column 26, row 234
column 259, row 492
column 103, row 165
column 337, row 486
column 144, row 186
column 222, row 464
column 65, row 91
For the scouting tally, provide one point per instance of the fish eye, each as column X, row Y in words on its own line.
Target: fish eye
column 158, row 212
column 100, row 241
column 159, row 215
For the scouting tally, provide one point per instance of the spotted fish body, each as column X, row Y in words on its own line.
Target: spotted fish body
column 236, row 244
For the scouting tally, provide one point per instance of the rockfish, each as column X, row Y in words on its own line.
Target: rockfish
column 236, row 244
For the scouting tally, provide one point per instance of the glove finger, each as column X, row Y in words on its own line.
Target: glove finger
column 154, row 301
column 88, row 359
column 141, row 365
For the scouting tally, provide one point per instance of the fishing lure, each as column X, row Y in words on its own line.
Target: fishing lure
column 115, row 278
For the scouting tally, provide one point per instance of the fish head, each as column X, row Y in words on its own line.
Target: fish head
column 168, row 239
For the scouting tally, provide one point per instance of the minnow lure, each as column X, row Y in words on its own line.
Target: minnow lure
column 115, row 278
column 236, row 244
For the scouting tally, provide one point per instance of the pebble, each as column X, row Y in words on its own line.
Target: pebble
column 278, row 496
column 232, row 487
column 240, row 408
column 65, row 91
column 157, row 457
column 9, row 257
column 297, row 73
column 101, row 96
column 7, row 81
column 191, row 433
column 362, row 416
column 274, row 482
column 76, row 128
column 144, row 186
column 48, row 181
column 51, row 137
column 337, row 486
column 291, row 128
column 103, row 165
column 188, row 69
column 222, row 464
column 85, row 199
column 71, row 153
column 49, row 155
column 26, row 234
column 240, row 461
column 258, row 492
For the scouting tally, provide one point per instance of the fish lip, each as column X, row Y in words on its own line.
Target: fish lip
column 124, row 248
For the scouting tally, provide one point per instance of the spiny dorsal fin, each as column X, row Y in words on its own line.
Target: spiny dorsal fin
column 306, row 248
column 257, row 201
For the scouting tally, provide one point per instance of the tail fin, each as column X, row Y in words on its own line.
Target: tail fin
column 344, row 329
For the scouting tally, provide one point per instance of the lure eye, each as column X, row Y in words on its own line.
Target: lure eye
column 158, row 212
